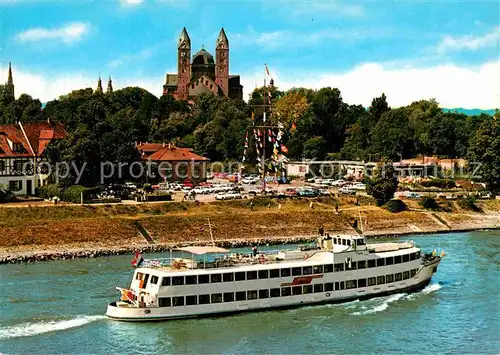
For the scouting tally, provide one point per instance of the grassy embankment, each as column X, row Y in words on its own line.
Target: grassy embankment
column 66, row 227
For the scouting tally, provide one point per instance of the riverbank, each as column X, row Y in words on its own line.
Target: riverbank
column 68, row 254
column 62, row 232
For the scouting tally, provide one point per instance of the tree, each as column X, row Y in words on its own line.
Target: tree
column 290, row 107
column 441, row 134
column 384, row 183
column 314, row 148
column 420, row 114
column 484, row 149
column 392, row 135
column 378, row 107
column 358, row 139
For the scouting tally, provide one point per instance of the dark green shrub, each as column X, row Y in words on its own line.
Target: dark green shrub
column 49, row 191
column 7, row 196
column 395, row 206
column 469, row 203
column 383, row 185
column 261, row 201
column 366, row 200
column 73, row 194
column 175, row 206
column 440, row 183
column 429, row 203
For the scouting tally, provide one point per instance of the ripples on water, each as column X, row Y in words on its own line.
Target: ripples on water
column 58, row 307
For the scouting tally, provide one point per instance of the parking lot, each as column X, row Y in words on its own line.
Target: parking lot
column 220, row 188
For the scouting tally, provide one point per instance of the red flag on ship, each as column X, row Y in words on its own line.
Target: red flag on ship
column 284, row 149
column 138, row 259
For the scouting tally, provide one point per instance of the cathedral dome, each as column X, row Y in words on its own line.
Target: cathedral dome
column 203, row 58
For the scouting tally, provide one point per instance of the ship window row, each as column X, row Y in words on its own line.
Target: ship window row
column 192, row 300
column 285, row 272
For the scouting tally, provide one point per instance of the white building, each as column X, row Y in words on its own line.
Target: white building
column 23, row 164
column 297, row 168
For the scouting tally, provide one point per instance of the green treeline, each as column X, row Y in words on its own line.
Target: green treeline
column 319, row 124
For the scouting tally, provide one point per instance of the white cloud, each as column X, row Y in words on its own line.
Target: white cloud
column 68, row 33
column 451, row 85
column 132, row 2
column 284, row 38
column 470, row 42
column 321, row 8
column 129, row 58
column 49, row 86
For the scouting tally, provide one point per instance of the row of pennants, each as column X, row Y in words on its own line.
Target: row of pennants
column 278, row 147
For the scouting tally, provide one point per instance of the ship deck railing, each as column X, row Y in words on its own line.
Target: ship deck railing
column 236, row 259
column 392, row 246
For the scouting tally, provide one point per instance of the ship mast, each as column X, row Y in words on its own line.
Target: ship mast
column 265, row 127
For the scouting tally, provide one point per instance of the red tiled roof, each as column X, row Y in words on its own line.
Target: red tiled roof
column 173, row 153
column 149, row 147
column 13, row 133
column 35, row 138
column 34, row 133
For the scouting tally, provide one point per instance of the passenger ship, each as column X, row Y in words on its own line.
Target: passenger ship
column 337, row 269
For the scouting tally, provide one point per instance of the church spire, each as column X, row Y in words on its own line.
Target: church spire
column 222, row 38
column 184, row 38
column 9, row 86
column 99, row 86
column 109, row 90
column 9, row 79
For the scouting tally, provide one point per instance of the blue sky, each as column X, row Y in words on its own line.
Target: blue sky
column 409, row 50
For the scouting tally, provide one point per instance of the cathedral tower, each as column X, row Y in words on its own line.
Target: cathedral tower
column 183, row 65
column 222, row 62
column 99, row 86
column 109, row 90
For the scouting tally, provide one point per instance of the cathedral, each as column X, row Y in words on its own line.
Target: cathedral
column 202, row 74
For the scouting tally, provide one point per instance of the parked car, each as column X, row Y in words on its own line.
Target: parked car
column 412, row 195
column 250, row 180
column 359, row 186
column 323, row 192
column 270, row 191
column 254, row 191
column 283, row 180
column 228, row 196
column 346, row 190
column 337, row 183
column 307, row 193
column 130, row 185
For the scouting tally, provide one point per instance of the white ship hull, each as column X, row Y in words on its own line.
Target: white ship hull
column 421, row 278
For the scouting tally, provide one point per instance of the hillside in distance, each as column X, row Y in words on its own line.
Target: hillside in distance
column 470, row 112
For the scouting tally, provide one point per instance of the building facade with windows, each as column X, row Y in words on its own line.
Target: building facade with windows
column 174, row 163
column 23, row 164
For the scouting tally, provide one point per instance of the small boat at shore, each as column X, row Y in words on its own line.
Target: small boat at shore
column 212, row 281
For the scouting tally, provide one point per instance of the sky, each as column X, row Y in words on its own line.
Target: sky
column 447, row 50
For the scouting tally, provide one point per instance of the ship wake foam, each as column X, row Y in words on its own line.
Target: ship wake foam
column 383, row 306
column 31, row 329
column 399, row 296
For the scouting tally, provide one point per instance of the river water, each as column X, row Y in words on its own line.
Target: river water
column 58, row 307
